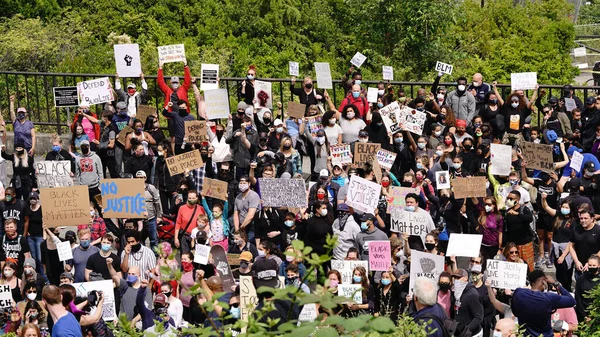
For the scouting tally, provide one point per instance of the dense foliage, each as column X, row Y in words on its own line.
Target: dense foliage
column 64, row 36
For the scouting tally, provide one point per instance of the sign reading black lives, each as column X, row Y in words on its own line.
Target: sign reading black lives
column 65, row 97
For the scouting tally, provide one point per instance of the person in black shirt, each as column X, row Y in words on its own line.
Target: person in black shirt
column 59, row 154
column 97, row 262
column 308, row 95
column 562, row 221
column 585, row 240
column 13, row 246
column 517, row 220
column 35, row 233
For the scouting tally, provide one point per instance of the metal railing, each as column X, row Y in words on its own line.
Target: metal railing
column 34, row 91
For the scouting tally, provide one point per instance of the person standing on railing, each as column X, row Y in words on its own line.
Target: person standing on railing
column 246, row 88
column 357, row 98
column 352, row 77
column 24, row 130
column 308, row 95
column 132, row 97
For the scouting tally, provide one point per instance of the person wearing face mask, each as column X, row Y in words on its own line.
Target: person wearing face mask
column 332, row 130
column 489, row 312
column 316, row 228
column 246, row 87
column 462, row 101
column 81, row 255
column 517, row 220
column 461, row 134
column 350, row 123
column 176, row 91
column 96, row 263
column 139, row 136
column 501, row 191
column 164, row 182
column 132, row 97
column 247, row 202
column 243, row 142
column 352, row 77
column 58, row 153
column 245, row 269
column 24, row 130
column 387, row 296
column 322, row 152
column 139, row 161
column 186, row 219
column 405, row 159
column 376, row 131
column 195, row 177
column 369, row 232
column 292, row 258
column 179, row 115
column 586, row 282
column 469, row 310
column 356, row 98
column 490, row 224
column 107, row 146
column 479, row 89
column 136, row 255
column 346, row 229
column 222, row 150
column 76, row 139
column 89, row 170
column 24, row 177
column 307, row 94
column 128, row 288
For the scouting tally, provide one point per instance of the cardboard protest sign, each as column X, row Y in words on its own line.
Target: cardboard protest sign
column 424, row 265
column 380, row 255
column 53, row 173
column 262, row 86
column 127, row 59
column 340, row 154
column 377, row 171
column 143, row 111
column 576, row 161
column 412, row 120
column 314, row 124
column 412, row 223
column 296, row 110
column 123, row 198
column 386, row 158
column 209, row 74
column 579, row 52
column 95, row 91
column 464, row 245
column 350, row 291
column 6, row 299
column 201, row 253
column 389, row 115
column 363, row 195
column 65, row 206
column 214, row 188
column 216, row 104
column 122, row 136
column 282, row 192
column 248, row 297
column 372, row 94
column 109, row 312
column 523, row 81
column 64, row 250
column 65, row 97
column 570, row 104
column 388, row 73
column 294, row 68
column 185, row 161
column 171, row 53
column 443, row 67
column 506, row 275
column 233, row 259
column 469, row 187
column 538, row 156
column 195, row 132
column 397, row 196
column 323, row 75
column 365, row 152
column 501, row 159
column 358, row 59
column 442, row 180
column 346, row 268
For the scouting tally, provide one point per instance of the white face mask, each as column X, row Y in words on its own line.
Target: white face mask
column 324, row 212
column 488, row 209
column 31, row 296
column 440, row 97
column 497, row 334
column 537, row 141
column 321, row 140
column 461, row 87
column 380, row 92
column 514, row 105
column 332, row 121
column 437, row 133
column 262, row 253
column 510, row 203
column 400, row 253
column 350, row 114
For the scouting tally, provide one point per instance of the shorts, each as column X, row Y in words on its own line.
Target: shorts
column 544, row 222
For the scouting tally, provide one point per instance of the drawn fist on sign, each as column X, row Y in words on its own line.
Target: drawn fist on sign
column 427, row 265
column 128, row 59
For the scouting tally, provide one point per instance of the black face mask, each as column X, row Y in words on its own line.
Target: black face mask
column 20, row 152
column 468, row 147
column 287, row 147
column 182, row 112
column 136, row 248
column 204, row 156
column 444, row 286
column 220, row 133
column 308, row 85
column 267, row 121
column 406, row 184
column 85, row 150
column 444, row 199
column 429, row 246
column 593, row 271
column 168, row 294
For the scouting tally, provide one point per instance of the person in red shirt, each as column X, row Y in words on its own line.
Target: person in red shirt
column 176, row 91
column 186, row 221
column 355, row 97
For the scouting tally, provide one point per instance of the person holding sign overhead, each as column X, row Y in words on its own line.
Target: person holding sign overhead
column 24, row 130
column 132, row 97
column 175, row 92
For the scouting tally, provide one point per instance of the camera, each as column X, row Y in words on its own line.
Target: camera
column 94, row 297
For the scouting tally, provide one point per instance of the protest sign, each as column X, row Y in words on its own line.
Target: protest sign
column 380, row 257
column 372, row 95
column 248, row 297
column 122, row 136
column 469, row 187
column 296, row 110
column 6, row 299
column 365, row 152
column 209, row 74
column 388, row 73
column 352, row 292
column 398, row 194
column 538, row 156
column 424, row 265
column 64, row 250
column 171, row 53
column 363, row 195
column 464, row 245
column 501, row 159
column 309, row 313
column 340, row 154
column 582, row 65
column 442, row 180
column 389, row 115
column 282, row 192
column 262, row 86
column 195, row 132
column 233, row 259
column 523, row 81
column 53, row 173
column 443, row 68
column 109, row 312
column 386, row 158
column 216, row 104
column 579, row 52
column 576, row 161
column 377, row 171
column 123, row 198
column 65, row 97
column 570, row 104
column 65, row 206
column 358, row 59
column 314, row 124
column 346, row 268
column 294, row 68
column 143, row 111
column 323, row 75
column 413, row 223
column 412, row 120
column 127, row 59
column 214, row 188
column 185, row 161
column 506, row 275
column 95, row 91
column 201, row 253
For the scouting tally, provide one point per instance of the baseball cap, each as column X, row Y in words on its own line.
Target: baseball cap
column 265, row 273
column 131, row 86
column 246, row 256
column 277, row 122
column 21, row 109
column 84, row 142
column 324, row 173
column 590, row 166
column 476, row 269
column 174, row 79
column 572, row 150
column 67, row 275
column 140, row 174
column 160, row 299
column 461, row 122
column 34, row 195
column 121, row 105
column 367, row 217
column 460, row 273
column 590, row 100
column 343, row 207
column 535, row 275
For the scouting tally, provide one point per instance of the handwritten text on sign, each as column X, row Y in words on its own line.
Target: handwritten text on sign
column 195, row 132
column 6, row 299
column 425, row 265
column 65, row 206
column 363, row 195
column 248, row 297
column 506, row 275
column 123, row 198
column 171, row 53
column 444, row 67
column 365, row 152
column 216, row 103
column 185, row 161
column 95, row 91
column 398, row 196
column 340, row 154
column 386, row 158
column 346, row 268
column 351, row 291
column 53, row 173
column 214, row 188
column 380, row 257
column 389, row 114
column 282, row 192
column 523, row 81
column 538, row 156
column 469, row 187
column 408, row 222
column 412, row 120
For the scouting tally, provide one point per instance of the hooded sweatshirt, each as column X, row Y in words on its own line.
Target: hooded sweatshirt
column 89, row 169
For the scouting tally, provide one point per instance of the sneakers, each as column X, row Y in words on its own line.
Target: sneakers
column 540, row 262
column 549, row 263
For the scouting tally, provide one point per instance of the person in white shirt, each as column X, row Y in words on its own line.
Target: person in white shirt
column 175, row 309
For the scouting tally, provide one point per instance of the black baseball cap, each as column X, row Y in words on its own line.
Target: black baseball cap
column 265, row 273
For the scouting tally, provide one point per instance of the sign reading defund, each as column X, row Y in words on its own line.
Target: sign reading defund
column 123, row 198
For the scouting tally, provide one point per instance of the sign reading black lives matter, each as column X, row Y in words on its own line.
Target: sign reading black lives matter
column 408, row 222
column 65, row 97
column 53, row 173
column 282, row 192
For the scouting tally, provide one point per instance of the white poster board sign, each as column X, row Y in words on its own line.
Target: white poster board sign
column 389, row 115
column 308, row 314
column 464, row 245
column 444, row 67
column 506, row 275
column 216, row 103
column 501, row 159
column 260, row 86
column 579, row 52
column 523, row 81
column 323, row 75
column 358, row 59
column 201, row 254
column 96, row 91
column 424, row 265
column 570, row 104
column 412, row 120
column 372, row 95
column 363, row 195
column 346, row 267
column 388, row 73
column 413, row 223
column 576, row 161
column 209, row 75
column 171, row 53
column 64, row 251
column 294, row 68
column 248, row 297
column 6, row 299
column 109, row 312
column 127, row 59
column 350, row 291
column 53, row 173
column 442, row 180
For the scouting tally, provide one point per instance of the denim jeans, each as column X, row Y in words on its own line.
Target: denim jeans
column 152, row 233
column 35, row 248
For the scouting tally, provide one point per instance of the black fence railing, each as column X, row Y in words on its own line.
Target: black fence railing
column 34, row 91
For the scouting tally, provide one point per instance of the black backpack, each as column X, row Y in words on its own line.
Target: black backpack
column 450, row 327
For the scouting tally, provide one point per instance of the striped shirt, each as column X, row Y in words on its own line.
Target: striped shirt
column 144, row 259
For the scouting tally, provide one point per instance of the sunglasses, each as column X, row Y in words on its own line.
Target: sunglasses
column 475, row 262
column 31, row 292
column 514, row 252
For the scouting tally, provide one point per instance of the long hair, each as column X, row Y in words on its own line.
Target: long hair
column 561, row 219
column 364, row 282
column 482, row 219
column 319, row 146
column 450, row 116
